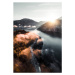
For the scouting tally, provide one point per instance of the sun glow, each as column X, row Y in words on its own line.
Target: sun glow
column 52, row 18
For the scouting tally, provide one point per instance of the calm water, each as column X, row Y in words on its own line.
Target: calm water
column 54, row 43
column 51, row 42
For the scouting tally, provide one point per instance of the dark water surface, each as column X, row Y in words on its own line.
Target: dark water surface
column 54, row 43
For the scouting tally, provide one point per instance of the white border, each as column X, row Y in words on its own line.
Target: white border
column 6, row 38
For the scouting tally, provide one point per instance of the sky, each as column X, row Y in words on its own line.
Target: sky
column 38, row 11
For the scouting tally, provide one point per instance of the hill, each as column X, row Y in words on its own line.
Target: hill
column 52, row 28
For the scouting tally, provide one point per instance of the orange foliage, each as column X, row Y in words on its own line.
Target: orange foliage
column 22, row 54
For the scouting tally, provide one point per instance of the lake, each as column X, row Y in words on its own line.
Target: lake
column 50, row 42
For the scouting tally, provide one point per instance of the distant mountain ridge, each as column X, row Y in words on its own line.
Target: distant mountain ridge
column 25, row 21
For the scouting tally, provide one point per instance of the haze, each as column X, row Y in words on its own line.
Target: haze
column 38, row 11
